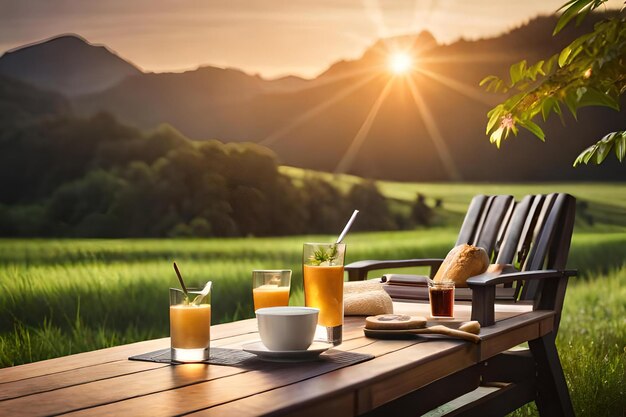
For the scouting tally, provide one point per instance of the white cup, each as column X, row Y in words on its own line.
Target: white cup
column 287, row 328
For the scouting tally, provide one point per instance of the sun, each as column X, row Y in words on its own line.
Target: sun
column 400, row 63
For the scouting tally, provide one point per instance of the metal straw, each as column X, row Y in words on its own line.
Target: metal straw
column 348, row 225
column 180, row 278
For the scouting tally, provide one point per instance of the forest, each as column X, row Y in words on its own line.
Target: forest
column 118, row 181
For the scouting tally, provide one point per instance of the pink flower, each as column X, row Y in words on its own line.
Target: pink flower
column 507, row 122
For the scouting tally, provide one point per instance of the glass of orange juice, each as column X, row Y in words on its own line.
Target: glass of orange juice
column 270, row 287
column 322, row 265
column 190, row 325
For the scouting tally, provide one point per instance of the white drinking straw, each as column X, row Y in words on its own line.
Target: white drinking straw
column 348, row 225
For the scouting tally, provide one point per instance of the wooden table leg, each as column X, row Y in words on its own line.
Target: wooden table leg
column 552, row 395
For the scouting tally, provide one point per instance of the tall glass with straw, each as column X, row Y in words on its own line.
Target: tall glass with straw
column 322, row 269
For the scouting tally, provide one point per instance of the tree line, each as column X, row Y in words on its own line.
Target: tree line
column 95, row 177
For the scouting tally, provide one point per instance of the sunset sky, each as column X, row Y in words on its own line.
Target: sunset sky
column 270, row 37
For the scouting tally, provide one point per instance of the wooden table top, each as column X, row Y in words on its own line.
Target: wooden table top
column 105, row 382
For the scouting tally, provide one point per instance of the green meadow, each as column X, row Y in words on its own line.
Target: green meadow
column 66, row 296
column 601, row 206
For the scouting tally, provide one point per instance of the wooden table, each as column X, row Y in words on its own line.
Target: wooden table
column 105, row 382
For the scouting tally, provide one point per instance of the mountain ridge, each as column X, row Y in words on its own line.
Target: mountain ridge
column 66, row 63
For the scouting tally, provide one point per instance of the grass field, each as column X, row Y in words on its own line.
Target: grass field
column 65, row 296
column 602, row 206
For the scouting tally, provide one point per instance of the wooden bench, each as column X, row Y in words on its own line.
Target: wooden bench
column 533, row 235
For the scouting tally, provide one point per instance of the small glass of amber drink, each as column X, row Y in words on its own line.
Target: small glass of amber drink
column 441, row 296
column 190, row 325
column 270, row 288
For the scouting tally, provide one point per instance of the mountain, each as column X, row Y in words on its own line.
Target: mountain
column 189, row 99
column 67, row 64
column 377, row 55
column 357, row 117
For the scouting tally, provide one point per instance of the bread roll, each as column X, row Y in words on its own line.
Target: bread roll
column 367, row 303
column 462, row 262
column 394, row 322
column 356, row 287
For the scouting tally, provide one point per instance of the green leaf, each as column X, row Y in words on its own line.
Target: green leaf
column 557, row 110
column 547, row 106
column 549, row 65
column 514, row 129
column 565, row 53
column 534, row 110
column 513, row 101
column 570, row 13
column 578, row 42
column 580, row 158
column 496, row 136
column 620, row 146
column 595, row 97
column 585, row 155
column 496, row 109
column 516, row 71
column 536, row 69
column 488, row 79
column 494, row 117
column 534, row 129
column 565, row 6
column 569, row 53
column 590, row 152
column 492, row 83
column 582, row 16
column 575, row 52
column 603, row 150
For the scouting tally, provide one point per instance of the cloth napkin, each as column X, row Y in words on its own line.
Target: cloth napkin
column 366, row 298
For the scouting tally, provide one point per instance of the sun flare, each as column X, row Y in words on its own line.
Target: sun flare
column 400, row 63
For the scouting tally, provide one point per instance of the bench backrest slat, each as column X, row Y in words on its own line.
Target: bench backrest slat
column 483, row 223
column 533, row 234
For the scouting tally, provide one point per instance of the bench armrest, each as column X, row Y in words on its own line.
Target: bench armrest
column 484, row 290
column 357, row 271
column 494, row 278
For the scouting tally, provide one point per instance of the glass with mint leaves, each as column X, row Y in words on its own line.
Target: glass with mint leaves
column 322, row 265
column 322, row 269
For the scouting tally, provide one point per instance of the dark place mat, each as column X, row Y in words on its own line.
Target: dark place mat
column 236, row 357
column 218, row 356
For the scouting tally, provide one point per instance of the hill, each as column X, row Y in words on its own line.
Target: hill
column 191, row 99
column 601, row 207
column 67, row 64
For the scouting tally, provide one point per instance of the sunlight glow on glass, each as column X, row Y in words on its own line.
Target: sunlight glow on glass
column 400, row 63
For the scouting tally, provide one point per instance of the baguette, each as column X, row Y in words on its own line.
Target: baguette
column 462, row 262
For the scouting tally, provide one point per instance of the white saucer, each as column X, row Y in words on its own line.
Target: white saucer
column 259, row 349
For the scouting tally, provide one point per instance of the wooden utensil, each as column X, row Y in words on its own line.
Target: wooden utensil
column 468, row 331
